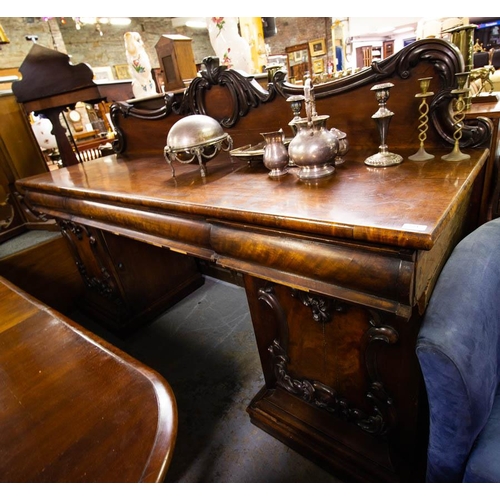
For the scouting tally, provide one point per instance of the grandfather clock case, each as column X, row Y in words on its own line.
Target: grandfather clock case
column 176, row 58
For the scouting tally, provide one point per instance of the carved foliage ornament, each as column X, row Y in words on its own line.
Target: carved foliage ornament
column 245, row 92
column 319, row 394
column 104, row 284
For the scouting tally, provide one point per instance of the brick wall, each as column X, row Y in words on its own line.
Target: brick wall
column 86, row 45
column 295, row 30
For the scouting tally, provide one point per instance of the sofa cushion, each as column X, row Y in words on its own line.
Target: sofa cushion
column 484, row 461
column 495, row 58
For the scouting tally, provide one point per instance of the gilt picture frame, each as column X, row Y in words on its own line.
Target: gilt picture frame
column 317, row 47
column 122, row 72
column 318, row 66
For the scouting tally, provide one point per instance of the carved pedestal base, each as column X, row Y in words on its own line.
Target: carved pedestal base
column 342, row 383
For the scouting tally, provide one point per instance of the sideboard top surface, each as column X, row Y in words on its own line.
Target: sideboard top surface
column 404, row 206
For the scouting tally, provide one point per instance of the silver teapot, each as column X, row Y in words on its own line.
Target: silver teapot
column 314, row 147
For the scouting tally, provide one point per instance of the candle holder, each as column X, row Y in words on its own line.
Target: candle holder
column 459, row 106
column 296, row 102
column 423, row 108
column 382, row 118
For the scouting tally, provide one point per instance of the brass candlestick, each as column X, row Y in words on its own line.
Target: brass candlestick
column 459, row 106
column 382, row 118
column 422, row 154
column 463, row 80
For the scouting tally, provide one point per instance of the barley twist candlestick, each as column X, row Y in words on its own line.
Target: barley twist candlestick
column 422, row 154
column 459, row 106
column 382, row 117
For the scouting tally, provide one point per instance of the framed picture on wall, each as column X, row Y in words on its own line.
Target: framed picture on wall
column 103, row 73
column 318, row 66
column 298, row 56
column 317, row 47
column 122, row 72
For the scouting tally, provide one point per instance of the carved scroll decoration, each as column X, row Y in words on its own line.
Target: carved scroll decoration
column 7, row 213
column 319, row 394
column 128, row 108
column 375, row 337
column 245, row 92
column 103, row 286
column 30, row 213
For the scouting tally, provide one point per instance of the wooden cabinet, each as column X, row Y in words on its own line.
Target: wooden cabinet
column 388, row 48
column 368, row 54
column 127, row 282
column 175, row 54
column 336, row 296
column 20, row 156
column 363, row 56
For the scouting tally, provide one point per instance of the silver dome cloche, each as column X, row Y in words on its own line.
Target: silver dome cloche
column 194, row 137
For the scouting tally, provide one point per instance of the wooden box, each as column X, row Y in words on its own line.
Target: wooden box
column 176, row 58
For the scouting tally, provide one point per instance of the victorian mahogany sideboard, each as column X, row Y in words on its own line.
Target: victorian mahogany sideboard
column 337, row 275
column 337, row 271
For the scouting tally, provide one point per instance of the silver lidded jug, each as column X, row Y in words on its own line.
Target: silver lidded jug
column 314, row 147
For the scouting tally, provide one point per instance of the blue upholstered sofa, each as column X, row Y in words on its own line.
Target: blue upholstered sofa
column 458, row 349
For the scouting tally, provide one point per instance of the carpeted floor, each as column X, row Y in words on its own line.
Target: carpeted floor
column 26, row 240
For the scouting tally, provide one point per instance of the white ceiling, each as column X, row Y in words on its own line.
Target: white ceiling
column 379, row 26
column 367, row 27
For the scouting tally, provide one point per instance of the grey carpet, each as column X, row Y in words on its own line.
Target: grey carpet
column 26, row 240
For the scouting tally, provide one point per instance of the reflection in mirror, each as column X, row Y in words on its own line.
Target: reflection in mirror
column 298, row 62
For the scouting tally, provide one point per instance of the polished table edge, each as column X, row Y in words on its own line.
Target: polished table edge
column 160, row 455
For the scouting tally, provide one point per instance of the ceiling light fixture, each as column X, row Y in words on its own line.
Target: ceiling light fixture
column 120, row 21
column 81, row 21
column 191, row 22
